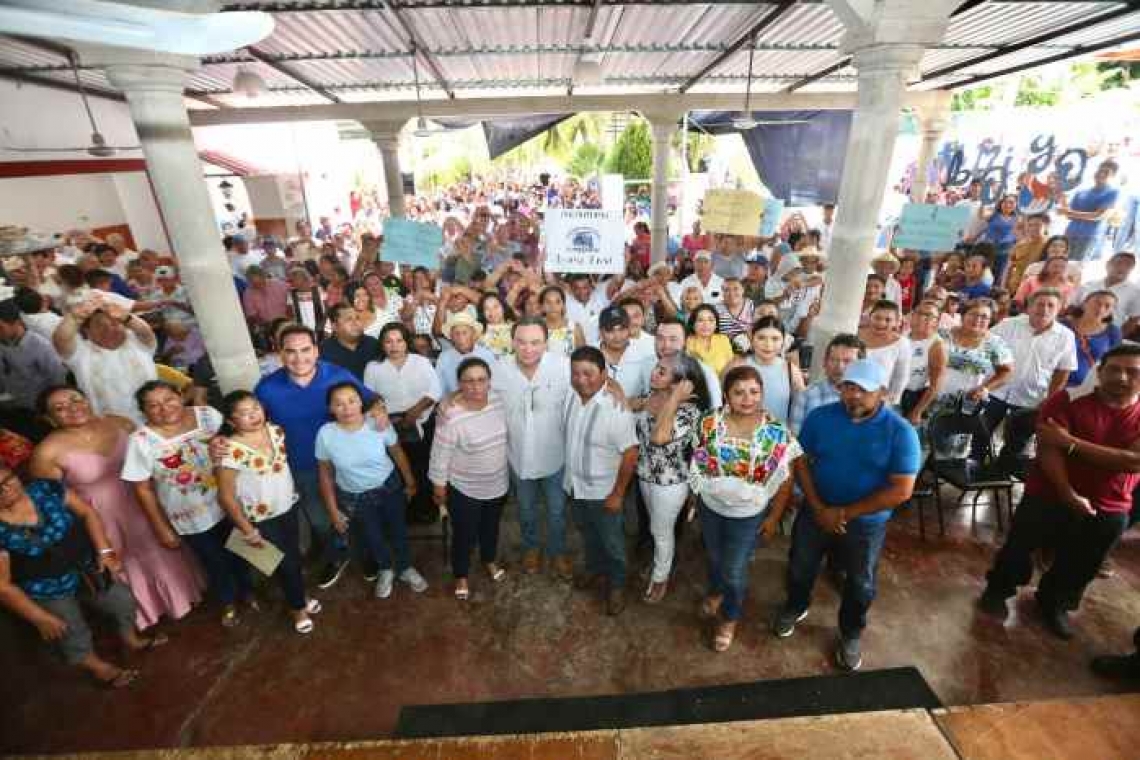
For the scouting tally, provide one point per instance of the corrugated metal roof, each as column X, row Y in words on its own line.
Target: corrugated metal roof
column 362, row 52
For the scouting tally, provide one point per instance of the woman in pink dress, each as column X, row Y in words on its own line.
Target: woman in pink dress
column 86, row 452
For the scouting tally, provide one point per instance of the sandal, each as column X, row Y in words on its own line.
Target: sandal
column 230, row 617
column 125, row 677
column 725, row 632
column 497, row 573
column 152, row 642
column 656, row 592
column 462, row 593
column 313, row 606
column 710, row 606
column 303, row 626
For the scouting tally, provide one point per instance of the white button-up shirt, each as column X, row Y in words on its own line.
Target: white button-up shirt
column 403, row 387
column 598, row 433
column 712, row 293
column 1036, row 356
column 586, row 314
column 535, row 408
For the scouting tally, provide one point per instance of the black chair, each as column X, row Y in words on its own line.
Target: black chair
column 965, row 473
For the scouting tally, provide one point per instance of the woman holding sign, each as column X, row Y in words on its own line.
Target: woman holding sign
column 255, row 488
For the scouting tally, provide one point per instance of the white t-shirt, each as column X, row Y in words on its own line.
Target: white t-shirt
column 894, row 358
column 43, row 322
column 1035, row 358
column 920, row 363
column 403, row 387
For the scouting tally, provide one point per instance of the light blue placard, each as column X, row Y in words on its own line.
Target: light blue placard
column 773, row 208
column 412, row 243
column 928, row 227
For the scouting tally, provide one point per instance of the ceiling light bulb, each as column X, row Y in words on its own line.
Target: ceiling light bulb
column 249, row 83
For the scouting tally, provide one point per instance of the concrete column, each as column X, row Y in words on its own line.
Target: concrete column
column 887, row 39
column 662, row 127
column 933, row 120
column 154, row 96
column 386, row 135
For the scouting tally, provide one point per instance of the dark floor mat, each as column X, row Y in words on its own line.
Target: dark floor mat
column 891, row 689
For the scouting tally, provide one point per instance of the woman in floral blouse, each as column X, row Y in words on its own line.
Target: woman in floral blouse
column 678, row 397
column 742, row 471
column 168, row 461
column 255, row 488
column 497, row 319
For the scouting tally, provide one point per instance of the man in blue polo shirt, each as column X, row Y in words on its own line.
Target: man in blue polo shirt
column 862, row 460
column 1087, row 211
column 294, row 397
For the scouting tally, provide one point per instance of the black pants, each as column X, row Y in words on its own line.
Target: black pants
column 421, row 508
column 1020, row 427
column 473, row 521
column 1081, row 544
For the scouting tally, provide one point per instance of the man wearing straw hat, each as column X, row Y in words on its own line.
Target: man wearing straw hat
column 463, row 330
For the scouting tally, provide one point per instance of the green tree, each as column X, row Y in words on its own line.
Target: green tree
column 587, row 160
column 632, row 153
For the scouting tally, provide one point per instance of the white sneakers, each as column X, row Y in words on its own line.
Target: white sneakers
column 387, row 578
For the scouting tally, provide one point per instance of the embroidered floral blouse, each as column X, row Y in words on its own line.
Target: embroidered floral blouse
column 264, row 483
column 759, row 466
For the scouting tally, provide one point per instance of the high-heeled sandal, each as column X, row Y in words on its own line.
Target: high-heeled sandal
column 725, row 633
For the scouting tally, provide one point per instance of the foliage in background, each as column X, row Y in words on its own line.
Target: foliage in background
column 586, row 161
column 1051, row 86
column 632, row 153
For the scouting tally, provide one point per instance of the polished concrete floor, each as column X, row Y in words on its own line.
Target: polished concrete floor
column 533, row 636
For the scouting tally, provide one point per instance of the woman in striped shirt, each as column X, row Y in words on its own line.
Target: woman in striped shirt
column 468, row 470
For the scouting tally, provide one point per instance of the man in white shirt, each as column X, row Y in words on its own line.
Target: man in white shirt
column 1044, row 353
column 240, row 256
column 601, row 457
column 827, row 227
column 534, row 388
column 640, row 342
column 1116, row 273
column 623, row 362
column 585, row 302
column 704, row 278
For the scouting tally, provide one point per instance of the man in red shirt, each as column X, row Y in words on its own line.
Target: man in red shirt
column 1079, row 492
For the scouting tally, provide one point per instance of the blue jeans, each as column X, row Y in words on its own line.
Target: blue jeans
column 857, row 551
column 729, row 542
column 332, row 546
column 527, row 493
column 378, row 518
column 226, row 573
column 603, row 539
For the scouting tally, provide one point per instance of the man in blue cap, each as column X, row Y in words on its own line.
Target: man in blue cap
column 862, row 460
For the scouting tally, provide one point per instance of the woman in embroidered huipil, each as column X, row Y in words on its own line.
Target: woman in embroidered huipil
column 742, row 472
column 168, row 461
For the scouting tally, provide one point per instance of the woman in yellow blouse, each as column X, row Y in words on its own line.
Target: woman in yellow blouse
column 705, row 340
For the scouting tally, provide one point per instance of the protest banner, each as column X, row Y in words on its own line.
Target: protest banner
column 731, row 212
column 929, row 227
column 411, row 243
column 585, row 241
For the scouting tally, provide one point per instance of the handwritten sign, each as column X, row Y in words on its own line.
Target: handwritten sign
column 773, row 208
column 927, row 227
column 731, row 212
column 585, row 241
column 412, row 243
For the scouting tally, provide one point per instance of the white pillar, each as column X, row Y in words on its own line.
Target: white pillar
column 154, row 95
column 662, row 127
column 386, row 135
column 932, row 120
column 887, row 39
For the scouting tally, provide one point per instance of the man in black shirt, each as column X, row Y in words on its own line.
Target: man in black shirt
column 348, row 346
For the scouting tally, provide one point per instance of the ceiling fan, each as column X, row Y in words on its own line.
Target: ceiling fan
column 744, row 119
column 134, row 26
column 98, row 146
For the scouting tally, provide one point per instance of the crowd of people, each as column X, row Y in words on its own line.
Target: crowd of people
column 674, row 391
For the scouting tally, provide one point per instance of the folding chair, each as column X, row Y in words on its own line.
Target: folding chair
column 957, row 468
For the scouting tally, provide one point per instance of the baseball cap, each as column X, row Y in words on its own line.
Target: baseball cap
column 867, row 374
column 613, row 317
column 702, row 255
column 757, row 258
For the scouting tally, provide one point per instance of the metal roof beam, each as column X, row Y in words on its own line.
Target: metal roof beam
column 282, row 68
column 1072, row 53
column 1034, row 41
column 314, row 6
column 55, row 84
column 418, row 47
column 771, row 18
column 475, row 108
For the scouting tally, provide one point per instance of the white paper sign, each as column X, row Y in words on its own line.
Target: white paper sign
column 585, row 241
